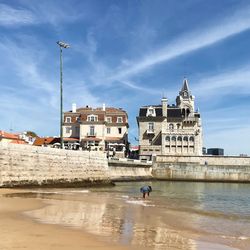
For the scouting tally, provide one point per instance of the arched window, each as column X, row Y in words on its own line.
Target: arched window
column 167, row 138
column 191, row 138
column 173, row 138
column 185, row 138
column 179, row 138
column 188, row 112
column 92, row 118
column 171, row 126
column 178, row 125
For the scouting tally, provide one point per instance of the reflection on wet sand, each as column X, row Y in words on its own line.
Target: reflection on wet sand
column 114, row 220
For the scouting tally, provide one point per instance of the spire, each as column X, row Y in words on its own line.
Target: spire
column 185, row 85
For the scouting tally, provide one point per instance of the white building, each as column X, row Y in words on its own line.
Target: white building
column 170, row 129
column 104, row 129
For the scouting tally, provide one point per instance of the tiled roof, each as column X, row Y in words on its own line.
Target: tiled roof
column 13, row 138
column 99, row 109
column 45, row 141
column 7, row 135
column 172, row 112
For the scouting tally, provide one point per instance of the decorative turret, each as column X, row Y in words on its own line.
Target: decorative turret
column 185, row 100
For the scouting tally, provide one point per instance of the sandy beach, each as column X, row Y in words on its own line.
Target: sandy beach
column 97, row 219
column 20, row 232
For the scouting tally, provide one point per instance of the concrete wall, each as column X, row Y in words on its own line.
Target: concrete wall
column 22, row 165
column 29, row 165
column 128, row 169
column 202, row 168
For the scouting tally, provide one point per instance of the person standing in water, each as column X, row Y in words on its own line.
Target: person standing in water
column 145, row 190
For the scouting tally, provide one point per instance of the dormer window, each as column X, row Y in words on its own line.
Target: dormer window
column 109, row 119
column 92, row 118
column 171, row 126
column 68, row 119
column 119, row 120
column 151, row 111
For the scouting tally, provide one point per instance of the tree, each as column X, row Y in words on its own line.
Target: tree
column 31, row 133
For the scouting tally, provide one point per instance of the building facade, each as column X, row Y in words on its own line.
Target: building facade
column 100, row 129
column 170, row 129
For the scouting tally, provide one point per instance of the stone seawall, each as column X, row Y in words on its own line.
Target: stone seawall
column 128, row 170
column 25, row 165
column 202, row 168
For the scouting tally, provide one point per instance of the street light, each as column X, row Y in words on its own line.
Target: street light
column 65, row 46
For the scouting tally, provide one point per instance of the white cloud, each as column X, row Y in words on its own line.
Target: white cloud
column 30, row 98
column 235, row 24
column 229, row 82
column 10, row 16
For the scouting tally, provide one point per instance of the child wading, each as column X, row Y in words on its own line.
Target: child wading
column 146, row 190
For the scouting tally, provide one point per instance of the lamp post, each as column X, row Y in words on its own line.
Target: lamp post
column 65, row 46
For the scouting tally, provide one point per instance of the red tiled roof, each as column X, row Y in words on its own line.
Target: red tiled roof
column 13, row 138
column 18, row 142
column 7, row 135
column 45, row 141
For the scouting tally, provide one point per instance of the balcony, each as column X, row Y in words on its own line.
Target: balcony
column 90, row 134
column 150, row 131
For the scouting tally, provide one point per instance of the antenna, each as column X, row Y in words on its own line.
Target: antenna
column 11, row 127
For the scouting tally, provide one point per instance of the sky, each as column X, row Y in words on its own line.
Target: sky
column 126, row 54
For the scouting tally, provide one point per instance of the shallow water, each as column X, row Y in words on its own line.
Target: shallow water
column 176, row 215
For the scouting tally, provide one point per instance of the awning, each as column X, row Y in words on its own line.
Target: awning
column 114, row 139
column 71, row 139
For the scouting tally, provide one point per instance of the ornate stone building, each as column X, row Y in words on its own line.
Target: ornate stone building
column 170, row 129
column 101, row 129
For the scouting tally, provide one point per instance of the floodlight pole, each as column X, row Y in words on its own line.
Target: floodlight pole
column 61, row 45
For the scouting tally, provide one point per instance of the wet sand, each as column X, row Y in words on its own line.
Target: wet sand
column 19, row 232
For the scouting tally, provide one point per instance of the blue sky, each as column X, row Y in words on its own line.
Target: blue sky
column 127, row 54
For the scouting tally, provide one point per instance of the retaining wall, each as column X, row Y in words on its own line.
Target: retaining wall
column 202, row 168
column 22, row 165
column 128, row 170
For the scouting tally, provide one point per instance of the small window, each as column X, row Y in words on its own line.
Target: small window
column 109, row 119
column 119, row 119
column 92, row 130
column 68, row 119
column 108, row 130
column 92, row 118
column 173, row 138
column 151, row 126
column 68, row 129
column 178, row 125
column 191, row 138
column 119, row 130
column 167, row 138
column 179, row 138
column 185, row 138
column 150, row 111
column 171, row 126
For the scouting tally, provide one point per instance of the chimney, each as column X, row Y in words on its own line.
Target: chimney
column 103, row 107
column 164, row 103
column 73, row 107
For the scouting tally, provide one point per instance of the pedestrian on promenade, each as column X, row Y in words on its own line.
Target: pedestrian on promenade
column 145, row 190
